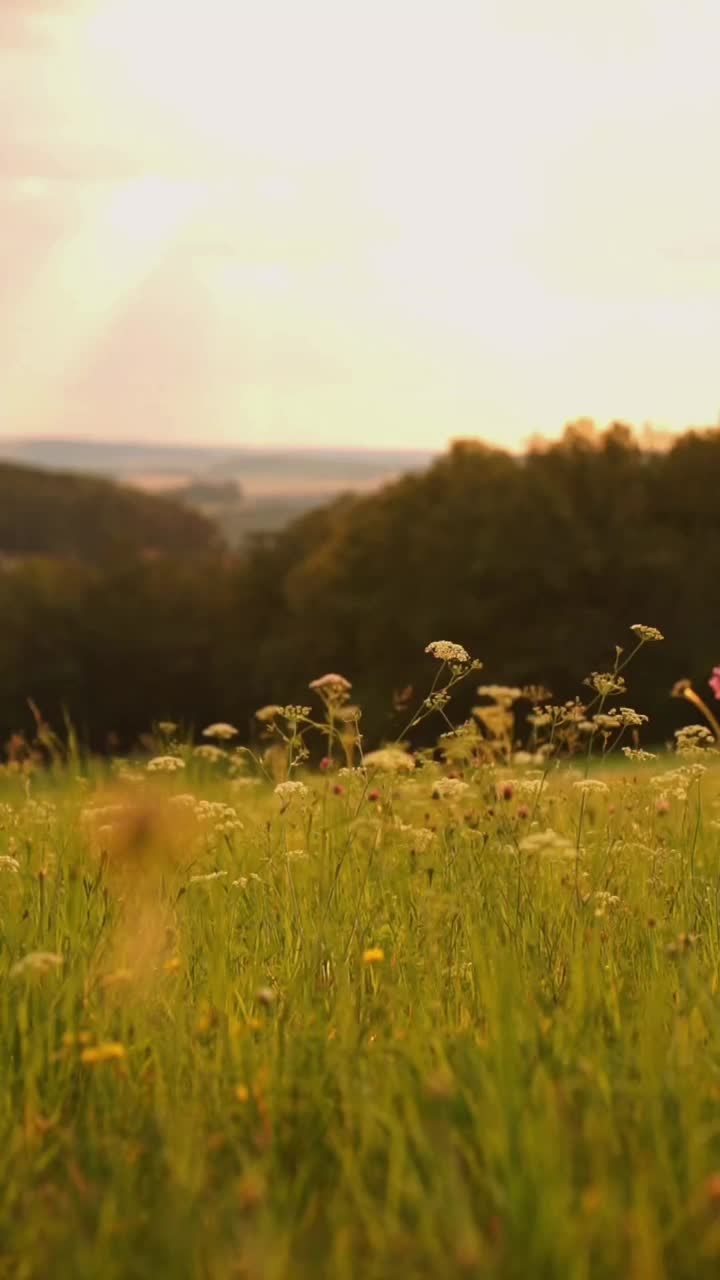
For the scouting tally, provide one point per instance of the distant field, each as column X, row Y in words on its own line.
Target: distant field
column 408, row 1018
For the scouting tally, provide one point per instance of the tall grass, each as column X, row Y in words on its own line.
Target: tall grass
column 372, row 1025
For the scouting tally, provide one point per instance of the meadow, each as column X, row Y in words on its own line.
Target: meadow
column 447, row 1012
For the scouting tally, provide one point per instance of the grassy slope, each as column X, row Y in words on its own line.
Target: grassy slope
column 526, row 1085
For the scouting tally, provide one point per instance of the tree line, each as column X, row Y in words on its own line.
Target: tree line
column 538, row 565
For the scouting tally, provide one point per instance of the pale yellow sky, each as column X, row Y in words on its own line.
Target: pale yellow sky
column 348, row 222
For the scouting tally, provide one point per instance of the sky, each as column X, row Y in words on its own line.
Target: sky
column 357, row 222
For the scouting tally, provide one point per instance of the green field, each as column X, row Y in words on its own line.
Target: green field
column 386, row 1022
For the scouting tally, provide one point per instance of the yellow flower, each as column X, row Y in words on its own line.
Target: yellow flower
column 373, row 955
column 242, row 1093
column 110, row 1051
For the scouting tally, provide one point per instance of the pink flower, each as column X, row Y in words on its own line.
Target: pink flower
column 714, row 682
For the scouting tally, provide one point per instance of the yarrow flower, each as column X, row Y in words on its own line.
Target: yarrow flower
column 450, row 789
column 548, row 844
column 268, row 713
column 331, row 687
column 390, row 760
column 286, row 792
column 447, row 651
column 40, row 962
column 503, row 694
column 165, row 764
column 590, row 785
column 647, row 634
column 221, row 731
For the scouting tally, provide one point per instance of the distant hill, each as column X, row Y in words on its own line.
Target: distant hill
column 246, row 493
column 258, row 472
column 85, row 518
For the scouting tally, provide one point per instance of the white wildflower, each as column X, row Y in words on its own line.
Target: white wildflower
column 208, row 875
column 447, row 651
column 641, row 757
column 286, row 792
column 390, row 760
column 646, row 633
column 209, row 753
column 9, row 864
column 591, row 786
column 165, row 764
column 548, row 844
column 221, row 732
column 503, row 694
column 37, row 962
column 450, row 789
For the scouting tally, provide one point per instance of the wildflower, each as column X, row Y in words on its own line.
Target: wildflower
column 109, row 1051
column 548, row 844
column 714, row 681
column 40, row 962
column 331, row 687
column 589, row 785
column 167, row 728
column 213, row 755
column 338, row 789
column 265, row 996
column 523, row 811
column 268, row 713
column 165, row 764
column 449, row 789
column 447, row 651
column 242, row 1093
column 373, row 795
column 390, row 760
column 607, row 722
column 9, row 864
column 693, row 738
column 286, row 792
column 209, row 875
column 606, row 683
column 221, row 731
column 632, row 718
column 663, row 806
column 503, row 694
column 641, row 757
column 373, row 955
column 647, row 634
